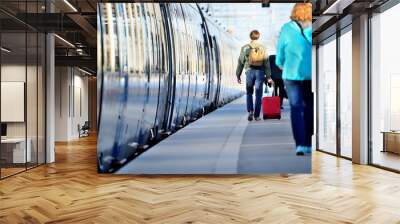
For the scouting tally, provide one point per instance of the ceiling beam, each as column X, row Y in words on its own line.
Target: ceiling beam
column 89, row 30
column 337, row 7
column 211, row 1
column 82, row 61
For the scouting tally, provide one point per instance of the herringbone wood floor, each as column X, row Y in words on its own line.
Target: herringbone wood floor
column 70, row 191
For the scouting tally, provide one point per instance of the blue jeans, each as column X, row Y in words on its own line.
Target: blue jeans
column 255, row 78
column 301, row 110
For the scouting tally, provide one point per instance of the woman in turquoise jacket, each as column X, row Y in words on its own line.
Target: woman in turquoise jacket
column 294, row 58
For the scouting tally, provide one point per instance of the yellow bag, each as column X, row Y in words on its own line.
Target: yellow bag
column 256, row 56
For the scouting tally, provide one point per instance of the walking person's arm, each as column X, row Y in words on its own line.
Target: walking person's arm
column 267, row 70
column 240, row 65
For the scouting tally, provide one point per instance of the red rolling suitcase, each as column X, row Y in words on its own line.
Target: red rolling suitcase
column 271, row 107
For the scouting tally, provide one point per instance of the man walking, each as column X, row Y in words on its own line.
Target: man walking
column 254, row 59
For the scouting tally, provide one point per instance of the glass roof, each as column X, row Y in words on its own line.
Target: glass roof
column 241, row 18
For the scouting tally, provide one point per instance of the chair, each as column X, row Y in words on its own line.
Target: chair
column 84, row 129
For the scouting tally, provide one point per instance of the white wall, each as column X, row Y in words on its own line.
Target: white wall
column 71, row 102
column 62, row 82
column 80, row 111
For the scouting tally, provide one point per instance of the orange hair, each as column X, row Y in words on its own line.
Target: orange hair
column 302, row 12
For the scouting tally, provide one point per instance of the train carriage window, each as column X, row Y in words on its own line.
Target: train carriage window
column 203, row 55
column 175, row 26
column 153, row 40
column 160, row 48
column 156, row 42
column 115, row 37
column 199, row 58
column 156, row 45
column 152, row 46
column 137, row 32
column 135, row 41
column 140, row 35
column 182, row 29
column 186, row 28
column 161, row 41
column 182, row 52
column 149, row 45
column 193, row 50
column 122, row 39
column 197, row 55
column 186, row 44
column 163, row 45
column 130, row 36
column 112, row 37
column 188, row 55
column 135, row 38
column 105, row 36
column 158, row 52
column 144, row 39
column 203, row 64
column 148, row 40
column 108, row 24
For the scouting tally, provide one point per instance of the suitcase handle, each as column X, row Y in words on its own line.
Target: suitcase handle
column 273, row 88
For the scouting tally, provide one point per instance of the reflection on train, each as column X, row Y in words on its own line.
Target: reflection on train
column 160, row 66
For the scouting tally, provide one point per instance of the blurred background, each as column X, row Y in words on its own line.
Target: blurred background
column 241, row 18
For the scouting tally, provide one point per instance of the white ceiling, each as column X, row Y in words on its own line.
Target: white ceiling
column 241, row 18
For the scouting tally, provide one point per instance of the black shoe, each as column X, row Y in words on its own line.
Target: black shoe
column 250, row 117
column 257, row 118
column 300, row 153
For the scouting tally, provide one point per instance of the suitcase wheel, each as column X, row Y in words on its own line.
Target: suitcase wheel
column 265, row 117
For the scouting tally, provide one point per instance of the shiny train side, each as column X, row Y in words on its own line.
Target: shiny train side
column 160, row 66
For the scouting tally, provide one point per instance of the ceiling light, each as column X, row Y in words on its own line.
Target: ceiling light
column 70, row 5
column 5, row 50
column 65, row 41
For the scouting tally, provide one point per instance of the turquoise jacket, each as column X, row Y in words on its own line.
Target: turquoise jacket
column 293, row 52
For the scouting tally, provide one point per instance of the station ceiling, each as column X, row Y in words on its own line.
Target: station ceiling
column 75, row 20
column 241, row 18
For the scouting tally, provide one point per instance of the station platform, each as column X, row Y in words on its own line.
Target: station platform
column 224, row 142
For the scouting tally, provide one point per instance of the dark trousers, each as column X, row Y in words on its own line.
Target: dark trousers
column 301, row 111
column 279, row 89
column 254, row 78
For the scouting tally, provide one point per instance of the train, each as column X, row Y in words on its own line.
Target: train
column 160, row 66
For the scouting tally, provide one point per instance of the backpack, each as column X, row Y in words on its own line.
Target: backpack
column 256, row 56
